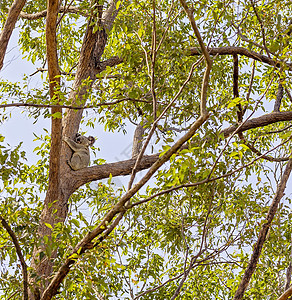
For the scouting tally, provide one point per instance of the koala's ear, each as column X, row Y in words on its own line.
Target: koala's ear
column 91, row 140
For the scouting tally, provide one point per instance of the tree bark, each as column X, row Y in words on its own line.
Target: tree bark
column 9, row 25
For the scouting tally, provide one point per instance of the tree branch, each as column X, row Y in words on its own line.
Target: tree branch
column 20, row 256
column 262, row 27
column 235, row 87
column 263, row 233
column 256, row 151
column 205, row 84
column 261, row 121
column 9, row 25
column 42, row 14
column 54, row 84
column 206, row 180
column 53, row 192
column 70, row 106
column 121, row 168
column 244, row 52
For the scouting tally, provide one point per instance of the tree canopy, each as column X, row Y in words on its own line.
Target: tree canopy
column 203, row 212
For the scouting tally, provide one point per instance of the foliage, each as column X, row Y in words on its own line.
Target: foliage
column 213, row 225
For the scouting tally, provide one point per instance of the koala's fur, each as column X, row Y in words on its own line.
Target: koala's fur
column 80, row 147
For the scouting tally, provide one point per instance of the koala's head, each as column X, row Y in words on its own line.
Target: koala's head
column 83, row 140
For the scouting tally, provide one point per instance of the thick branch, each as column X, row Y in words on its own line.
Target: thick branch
column 263, row 233
column 241, row 51
column 122, row 168
column 261, row 121
column 111, row 62
column 42, row 14
column 9, row 25
column 20, row 256
column 53, row 192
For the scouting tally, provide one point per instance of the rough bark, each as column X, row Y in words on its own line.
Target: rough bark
column 9, row 25
column 279, row 97
column 286, row 294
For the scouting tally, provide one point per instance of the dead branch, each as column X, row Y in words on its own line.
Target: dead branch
column 137, row 141
column 263, row 233
column 20, row 256
column 154, row 125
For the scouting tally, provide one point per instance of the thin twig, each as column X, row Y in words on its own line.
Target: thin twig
column 154, row 125
column 262, row 27
column 206, row 180
column 239, row 127
column 70, row 106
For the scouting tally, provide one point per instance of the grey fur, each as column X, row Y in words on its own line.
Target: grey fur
column 80, row 147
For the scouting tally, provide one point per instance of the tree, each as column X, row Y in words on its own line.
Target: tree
column 209, row 83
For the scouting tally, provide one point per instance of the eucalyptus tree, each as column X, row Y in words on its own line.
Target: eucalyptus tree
column 208, row 83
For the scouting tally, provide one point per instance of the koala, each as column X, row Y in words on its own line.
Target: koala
column 80, row 147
